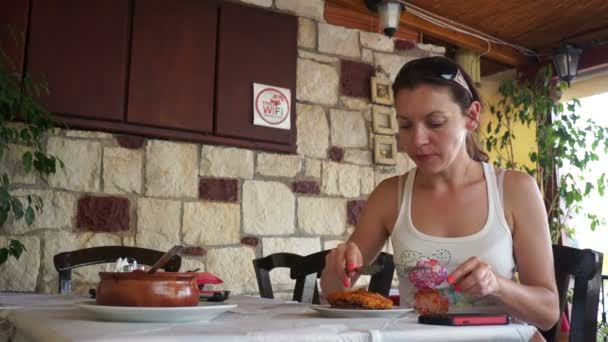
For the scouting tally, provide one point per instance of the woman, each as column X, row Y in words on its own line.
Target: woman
column 456, row 223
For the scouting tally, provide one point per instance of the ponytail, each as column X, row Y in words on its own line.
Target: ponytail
column 473, row 149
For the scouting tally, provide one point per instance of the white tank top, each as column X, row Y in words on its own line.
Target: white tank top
column 423, row 262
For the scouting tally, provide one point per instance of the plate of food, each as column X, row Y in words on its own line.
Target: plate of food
column 201, row 312
column 359, row 304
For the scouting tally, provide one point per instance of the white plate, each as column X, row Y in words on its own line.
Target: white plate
column 202, row 312
column 328, row 311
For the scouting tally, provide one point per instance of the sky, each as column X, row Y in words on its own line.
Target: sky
column 595, row 107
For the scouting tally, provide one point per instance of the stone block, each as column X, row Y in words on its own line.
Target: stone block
column 338, row 40
column 158, row 223
column 313, row 168
column 225, row 162
column 391, row 63
column 307, row 33
column 82, row 161
column 316, row 82
column 321, row 216
column 122, row 170
column 340, row 179
column 376, row 41
column 233, row 265
column 278, row 165
column 268, row 208
column 317, row 57
column 209, row 223
column 356, row 103
column 348, row 129
column 313, row 131
column 11, row 164
column 313, row 9
column 171, row 169
column 359, row 157
column 58, row 211
column 20, row 274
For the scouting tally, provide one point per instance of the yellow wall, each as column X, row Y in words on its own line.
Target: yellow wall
column 524, row 142
column 587, row 86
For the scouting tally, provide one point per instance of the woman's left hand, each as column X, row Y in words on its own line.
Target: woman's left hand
column 475, row 278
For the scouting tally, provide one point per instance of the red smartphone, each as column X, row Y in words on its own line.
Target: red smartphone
column 463, row 319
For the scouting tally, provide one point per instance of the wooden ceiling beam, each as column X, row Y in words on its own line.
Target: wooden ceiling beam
column 501, row 53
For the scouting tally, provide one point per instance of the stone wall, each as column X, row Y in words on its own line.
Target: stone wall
column 230, row 205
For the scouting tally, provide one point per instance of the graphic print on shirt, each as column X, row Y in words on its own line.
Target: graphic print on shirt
column 428, row 275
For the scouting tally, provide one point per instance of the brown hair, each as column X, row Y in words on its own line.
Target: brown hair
column 408, row 78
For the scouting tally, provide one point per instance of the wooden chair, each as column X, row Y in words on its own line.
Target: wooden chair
column 586, row 267
column 66, row 261
column 306, row 269
column 263, row 266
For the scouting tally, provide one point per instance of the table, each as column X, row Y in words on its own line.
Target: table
column 54, row 318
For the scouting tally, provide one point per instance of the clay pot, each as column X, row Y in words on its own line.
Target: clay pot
column 143, row 289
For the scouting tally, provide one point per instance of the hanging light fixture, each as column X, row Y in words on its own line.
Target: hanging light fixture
column 565, row 59
column 389, row 12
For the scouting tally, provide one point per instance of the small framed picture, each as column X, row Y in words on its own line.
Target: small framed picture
column 382, row 91
column 385, row 150
column 383, row 119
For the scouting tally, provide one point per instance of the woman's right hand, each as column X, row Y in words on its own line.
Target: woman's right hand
column 343, row 260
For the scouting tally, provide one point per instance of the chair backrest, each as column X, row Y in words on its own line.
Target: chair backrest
column 66, row 261
column 585, row 266
column 310, row 267
column 263, row 266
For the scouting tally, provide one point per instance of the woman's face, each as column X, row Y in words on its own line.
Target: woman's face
column 432, row 127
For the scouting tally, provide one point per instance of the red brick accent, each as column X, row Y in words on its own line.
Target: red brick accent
column 336, row 153
column 405, row 44
column 250, row 241
column 217, row 189
column 355, row 79
column 306, row 187
column 353, row 211
column 130, row 142
column 194, row 251
column 103, row 214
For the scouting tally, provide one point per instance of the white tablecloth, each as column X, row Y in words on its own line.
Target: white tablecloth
column 54, row 318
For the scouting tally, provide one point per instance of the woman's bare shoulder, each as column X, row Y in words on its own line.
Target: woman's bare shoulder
column 389, row 186
column 515, row 181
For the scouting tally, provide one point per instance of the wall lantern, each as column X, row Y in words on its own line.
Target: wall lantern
column 566, row 59
column 389, row 12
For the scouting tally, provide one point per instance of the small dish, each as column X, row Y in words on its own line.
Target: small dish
column 214, row 296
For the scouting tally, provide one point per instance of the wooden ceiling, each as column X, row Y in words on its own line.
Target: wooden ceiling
column 539, row 25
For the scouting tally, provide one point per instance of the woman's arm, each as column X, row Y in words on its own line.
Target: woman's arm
column 366, row 241
column 534, row 299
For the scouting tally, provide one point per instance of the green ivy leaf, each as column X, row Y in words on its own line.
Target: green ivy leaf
column 17, row 208
column 3, row 217
column 27, row 161
column 16, row 248
column 29, row 216
column 3, row 255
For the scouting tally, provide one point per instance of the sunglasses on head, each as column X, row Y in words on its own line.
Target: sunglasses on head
column 438, row 68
